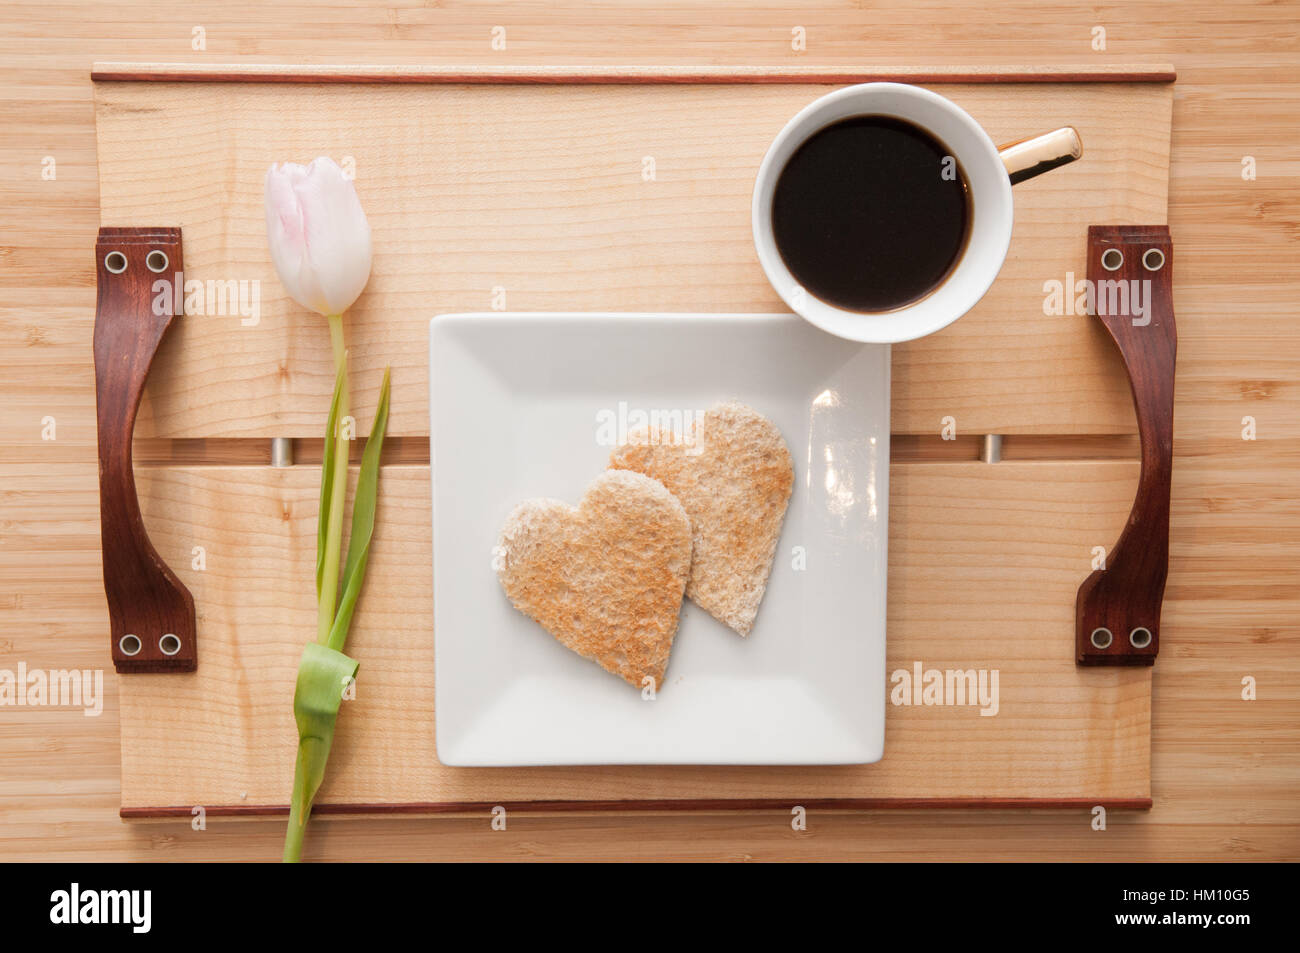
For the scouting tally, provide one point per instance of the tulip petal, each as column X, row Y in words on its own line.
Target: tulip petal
column 318, row 233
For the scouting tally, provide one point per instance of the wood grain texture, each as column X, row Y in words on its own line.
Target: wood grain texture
column 963, row 538
column 533, row 198
column 1224, row 771
column 464, row 157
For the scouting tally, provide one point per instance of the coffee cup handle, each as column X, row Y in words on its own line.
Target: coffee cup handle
column 1027, row 158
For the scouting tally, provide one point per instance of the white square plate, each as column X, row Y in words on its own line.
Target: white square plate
column 527, row 405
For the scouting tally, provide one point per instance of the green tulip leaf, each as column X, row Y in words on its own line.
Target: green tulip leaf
column 364, row 501
column 323, row 678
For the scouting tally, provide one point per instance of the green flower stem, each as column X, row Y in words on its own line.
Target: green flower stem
column 336, row 339
column 327, row 603
column 324, row 673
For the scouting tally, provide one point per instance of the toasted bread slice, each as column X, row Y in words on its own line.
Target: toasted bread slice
column 734, row 475
column 605, row 578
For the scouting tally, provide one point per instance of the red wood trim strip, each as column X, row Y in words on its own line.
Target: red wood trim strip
column 716, row 805
column 596, row 75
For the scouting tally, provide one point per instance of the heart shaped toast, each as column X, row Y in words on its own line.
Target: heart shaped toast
column 605, row 578
column 733, row 474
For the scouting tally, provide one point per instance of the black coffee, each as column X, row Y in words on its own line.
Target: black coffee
column 871, row 213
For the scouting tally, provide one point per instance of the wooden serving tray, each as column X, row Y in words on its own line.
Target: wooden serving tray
column 528, row 189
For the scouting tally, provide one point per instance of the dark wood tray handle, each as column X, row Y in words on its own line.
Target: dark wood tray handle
column 1117, row 614
column 150, row 611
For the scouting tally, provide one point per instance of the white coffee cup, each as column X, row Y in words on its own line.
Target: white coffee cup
column 990, row 173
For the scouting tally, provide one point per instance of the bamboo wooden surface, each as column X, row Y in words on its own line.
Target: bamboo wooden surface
column 1224, row 771
column 463, row 199
column 963, row 538
column 532, row 183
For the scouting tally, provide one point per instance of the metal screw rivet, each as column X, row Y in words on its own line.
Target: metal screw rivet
column 130, row 644
column 115, row 262
column 1111, row 259
column 1101, row 637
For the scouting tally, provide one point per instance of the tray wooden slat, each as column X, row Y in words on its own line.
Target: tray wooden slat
column 984, row 561
column 538, row 190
